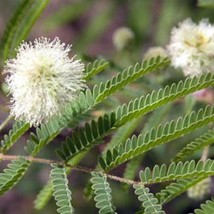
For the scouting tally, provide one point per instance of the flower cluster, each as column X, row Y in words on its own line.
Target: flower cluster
column 200, row 190
column 192, row 47
column 122, row 38
column 42, row 79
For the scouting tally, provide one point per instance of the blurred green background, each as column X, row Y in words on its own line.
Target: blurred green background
column 89, row 26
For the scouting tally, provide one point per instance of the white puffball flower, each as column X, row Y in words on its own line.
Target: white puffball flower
column 42, row 79
column 200, row 190
column 122, row 38
column 192, row 47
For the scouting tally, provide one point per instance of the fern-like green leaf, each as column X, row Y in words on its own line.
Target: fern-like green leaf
column 12, row 174
column 176, row 171
column 47, row 191
column 129, row 75
column 100, row 92
column 47, row 132
column 74, row 112
column 123, row 133
column 87, row 100
column 206, row 208
column 83, row 138
column 120, row 136
column 20, row 24
column 44, row 135
column 94, row 68
column 102, row 193
column 173, row 190
column 163, row 134
column 163, row 96
column 90, row 134
column 71, row 116
column 44, row 196
column 62, row 194
column 19, row 128
column 153, row 121
column 199, row 143
column 149, row 202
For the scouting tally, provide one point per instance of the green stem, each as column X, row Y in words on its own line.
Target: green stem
column 68, row 165
column 5, row 122
column 204, row 154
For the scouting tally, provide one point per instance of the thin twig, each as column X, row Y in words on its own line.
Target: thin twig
column 5, row 122
column 205, row 153
column 113, row 177
column 30, row 158
column 76, row 168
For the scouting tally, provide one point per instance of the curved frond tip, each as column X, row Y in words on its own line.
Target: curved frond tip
column 102, row 193
column 12, row 174
column 61, row 193
column 206, row 208
column 19, row 128
column 149, row 202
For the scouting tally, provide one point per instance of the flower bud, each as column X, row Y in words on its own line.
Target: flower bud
column 200, row 190
column 155, row 52
column 122, row 38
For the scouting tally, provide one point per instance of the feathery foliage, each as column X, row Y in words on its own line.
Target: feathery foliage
column 206, row 208
column 46, row 192
column 44, row 135
column 12, row 174
column 62, row 194
column 18, row 129
column 94, row 68
column 43, row 196
column 87, row 100
column 153, row 121
column 156, row 118
column 83, row 138
column 164, row 133
column 88, row 137
column 173, row 190
column 149, row 202
column 17, row 168
column 174, row 171
column 162, row 96
column 102, row 193
column 82, row 125
column 199, row 143
column 129, row 75
column 76, row 111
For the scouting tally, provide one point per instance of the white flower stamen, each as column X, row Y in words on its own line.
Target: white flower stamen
column 192, row 47
column 42, row 79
